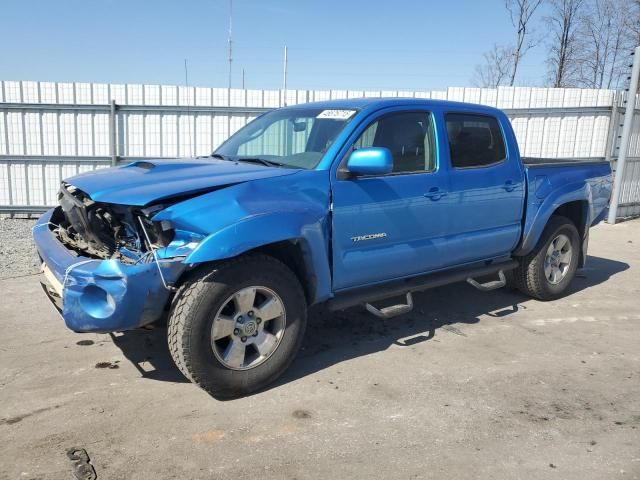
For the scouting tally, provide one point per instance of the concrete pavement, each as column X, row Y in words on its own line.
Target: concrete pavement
column 469, row 385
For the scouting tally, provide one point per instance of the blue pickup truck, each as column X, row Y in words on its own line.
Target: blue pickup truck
column 343, row 203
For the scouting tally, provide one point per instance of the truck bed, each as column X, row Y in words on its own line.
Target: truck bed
column 552, row 182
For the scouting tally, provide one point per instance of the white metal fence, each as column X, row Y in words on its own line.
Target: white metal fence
column 49, row 131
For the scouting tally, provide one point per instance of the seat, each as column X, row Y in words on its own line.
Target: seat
column 471, row 147
column 405, row 139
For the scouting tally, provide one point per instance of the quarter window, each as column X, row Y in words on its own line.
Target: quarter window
column 474, row 140
column 409, row 136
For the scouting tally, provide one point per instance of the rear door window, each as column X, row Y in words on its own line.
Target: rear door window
column 474, row 140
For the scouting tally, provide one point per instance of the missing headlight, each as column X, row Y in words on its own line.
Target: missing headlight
column 160, row 233
column 93, row 228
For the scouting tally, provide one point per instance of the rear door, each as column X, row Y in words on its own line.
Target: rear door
column 390, row 226
column 487, row 190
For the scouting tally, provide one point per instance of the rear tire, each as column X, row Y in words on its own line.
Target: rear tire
column 547, row 271
column 241, row 353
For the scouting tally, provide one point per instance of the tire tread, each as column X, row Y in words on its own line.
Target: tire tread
column 525, row 277
column 187, row 299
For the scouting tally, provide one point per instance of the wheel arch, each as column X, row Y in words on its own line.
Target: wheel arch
column 295, row 240
column 292, row 254
column 576, row 211
column 573, row 200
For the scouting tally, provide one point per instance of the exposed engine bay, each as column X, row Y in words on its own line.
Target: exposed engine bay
column 107, row 231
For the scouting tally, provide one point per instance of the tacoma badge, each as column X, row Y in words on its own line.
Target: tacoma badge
column 371, row 236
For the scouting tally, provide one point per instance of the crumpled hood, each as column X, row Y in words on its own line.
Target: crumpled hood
column 142, row 182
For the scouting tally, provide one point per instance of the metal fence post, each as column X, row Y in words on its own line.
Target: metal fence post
column 626, row 136
column 113, row 134
column 612, row 131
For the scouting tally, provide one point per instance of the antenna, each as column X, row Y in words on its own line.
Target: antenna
column 230, row 49
column 186, row 82
column 284, row 79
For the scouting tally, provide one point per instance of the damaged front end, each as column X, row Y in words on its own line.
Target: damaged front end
column 107, row 231
column 108, row 267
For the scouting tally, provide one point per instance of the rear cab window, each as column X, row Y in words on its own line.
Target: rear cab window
column 475, row 140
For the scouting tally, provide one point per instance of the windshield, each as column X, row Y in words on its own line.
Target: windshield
column 289, row 137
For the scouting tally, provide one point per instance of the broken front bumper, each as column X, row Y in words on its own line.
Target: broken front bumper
column 96, row 295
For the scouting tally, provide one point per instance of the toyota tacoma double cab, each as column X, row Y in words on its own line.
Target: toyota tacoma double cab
column 343, row 202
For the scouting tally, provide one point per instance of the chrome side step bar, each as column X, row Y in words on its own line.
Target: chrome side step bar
column 485, row 287
column 393, row 310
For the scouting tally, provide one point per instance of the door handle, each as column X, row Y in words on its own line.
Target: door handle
column 435, row 194
column 509, row 186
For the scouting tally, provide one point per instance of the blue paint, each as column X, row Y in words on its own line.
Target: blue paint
column 261, row 212
column 370, row 161
column 104, row 295
column 411, row 223
column 134, row 185
column 556, row 186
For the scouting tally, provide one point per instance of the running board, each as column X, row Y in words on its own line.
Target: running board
column 393, row 310
column 362, row 296
column 485, row 287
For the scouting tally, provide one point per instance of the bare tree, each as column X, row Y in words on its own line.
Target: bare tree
column 633, row 23
column 521, row 12
column 563, row 54
column 606, row 39
column 496, row 67
column 589, row 42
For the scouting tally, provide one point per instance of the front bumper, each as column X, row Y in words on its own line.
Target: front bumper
column 96, row 295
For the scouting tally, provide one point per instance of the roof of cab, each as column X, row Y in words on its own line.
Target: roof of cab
column 376, row 103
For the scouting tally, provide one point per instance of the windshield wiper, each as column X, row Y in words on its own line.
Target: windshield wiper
column 267, row 163
column 262, row 161
column 221, row 157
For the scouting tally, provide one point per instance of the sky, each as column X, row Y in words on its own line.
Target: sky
column 332, row 44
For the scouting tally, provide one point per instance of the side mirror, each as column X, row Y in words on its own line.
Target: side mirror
column 370, row 161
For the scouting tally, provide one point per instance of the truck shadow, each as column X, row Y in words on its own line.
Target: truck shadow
column 147, row 350
column 335, row 337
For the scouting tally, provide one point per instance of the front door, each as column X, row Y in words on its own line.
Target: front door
column 391, row 226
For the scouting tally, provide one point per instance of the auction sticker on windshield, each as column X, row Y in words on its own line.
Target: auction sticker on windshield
column 336, row 114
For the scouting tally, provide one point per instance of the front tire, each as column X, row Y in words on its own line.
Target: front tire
column 547, row 271
column 235, row 327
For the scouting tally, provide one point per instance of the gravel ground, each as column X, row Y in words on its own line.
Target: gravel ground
column 18, row 255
